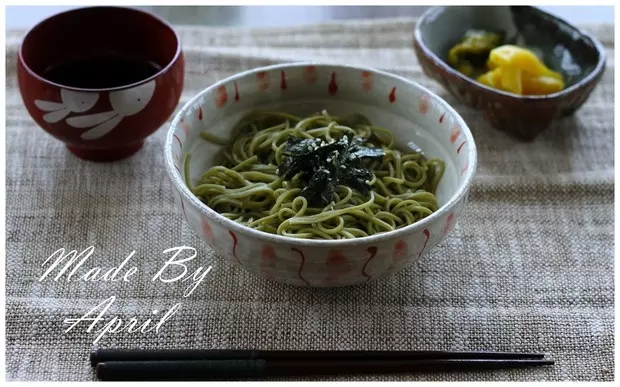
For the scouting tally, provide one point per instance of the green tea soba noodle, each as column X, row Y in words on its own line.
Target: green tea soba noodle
column 318, row 177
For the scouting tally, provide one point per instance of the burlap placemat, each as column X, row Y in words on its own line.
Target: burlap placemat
column 528, row 268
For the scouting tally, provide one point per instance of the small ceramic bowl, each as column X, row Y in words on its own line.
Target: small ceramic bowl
column 136, row 54
column 564, row 48
column 413, row 113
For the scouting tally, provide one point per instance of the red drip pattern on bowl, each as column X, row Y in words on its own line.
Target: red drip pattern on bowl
column 234, row 247
column 372, row 250
column 337, row 266
column 221, row 96
column 424, row 104
column 456, row 132
column 464, row 169
column 236, row 92
column 332, row 88
column 178, row 140
column 262, row 78
column 310, row 74
column 268, row 261
column 449, row 224
column 182, row 205
column 283, row 84
column 301, row 266
column 392, row 96
column 368, row 81
column 401, row 251
column 186, row 129
column 427, row 235
column 206, row 230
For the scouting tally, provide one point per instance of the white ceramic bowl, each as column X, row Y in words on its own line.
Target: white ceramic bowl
column 413, row 113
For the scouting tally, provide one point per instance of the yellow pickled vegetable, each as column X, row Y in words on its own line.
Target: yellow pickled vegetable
column 519, row 71
column 491, row 78
column 541, row 85
column 487, row 79
column 511, row 80
column 521, row 58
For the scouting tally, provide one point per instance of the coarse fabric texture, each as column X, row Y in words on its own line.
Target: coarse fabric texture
column 529, row 267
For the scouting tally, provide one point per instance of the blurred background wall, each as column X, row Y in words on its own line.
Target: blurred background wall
column 270, row 16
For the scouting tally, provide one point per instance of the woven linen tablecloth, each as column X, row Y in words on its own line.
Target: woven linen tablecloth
column 529, row 267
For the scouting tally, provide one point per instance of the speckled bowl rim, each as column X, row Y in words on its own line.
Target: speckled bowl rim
column 179, row 183
column 600, row 65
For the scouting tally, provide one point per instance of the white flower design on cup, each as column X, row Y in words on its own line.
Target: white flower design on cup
column 124, row 103
column 72, row 102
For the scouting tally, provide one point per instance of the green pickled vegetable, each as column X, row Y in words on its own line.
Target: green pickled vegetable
column 469, row 56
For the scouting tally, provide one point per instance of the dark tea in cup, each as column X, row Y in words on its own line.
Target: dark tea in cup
column 113, row 70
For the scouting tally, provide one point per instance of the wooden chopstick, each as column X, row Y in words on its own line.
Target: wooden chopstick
column 166, row 365
column 258, row 369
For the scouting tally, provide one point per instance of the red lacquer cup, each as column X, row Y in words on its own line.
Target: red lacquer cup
column 101, row 124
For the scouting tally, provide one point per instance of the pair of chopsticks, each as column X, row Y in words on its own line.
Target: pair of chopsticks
column 168, row 365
